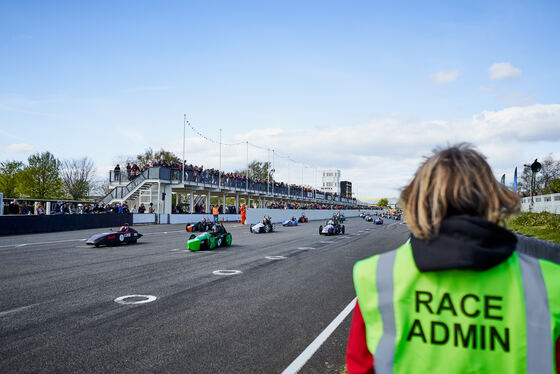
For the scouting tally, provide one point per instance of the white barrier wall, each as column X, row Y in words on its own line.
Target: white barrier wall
column 542, row 203
column 278, row 215
column 253, row 216
column 193, row 218
column 143, row 218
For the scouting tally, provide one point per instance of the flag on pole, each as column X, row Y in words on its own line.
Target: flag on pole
column 503, row 180
column 515, row 180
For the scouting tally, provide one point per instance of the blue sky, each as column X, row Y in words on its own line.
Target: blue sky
column 105, row 79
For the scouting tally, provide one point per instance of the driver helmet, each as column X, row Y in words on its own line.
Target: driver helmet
column 203, row 220
column 331, row 222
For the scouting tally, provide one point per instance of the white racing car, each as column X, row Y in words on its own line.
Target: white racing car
column 264, row 226
column 332, row 228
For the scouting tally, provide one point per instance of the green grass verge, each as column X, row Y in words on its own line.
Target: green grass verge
column 544, row 225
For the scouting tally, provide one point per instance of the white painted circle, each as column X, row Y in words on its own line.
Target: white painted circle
column 146, row 299
column 227, row 272
column 275, row 257
column 121, row 237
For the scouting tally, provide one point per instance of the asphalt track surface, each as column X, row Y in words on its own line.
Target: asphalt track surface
column 58, row 315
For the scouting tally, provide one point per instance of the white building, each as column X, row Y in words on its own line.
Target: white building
column 331, row 181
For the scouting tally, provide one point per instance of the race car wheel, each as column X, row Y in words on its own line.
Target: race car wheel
column 96, row 245
column 320, row 229
column 343, row 230
column 228, row 239
column 250, row 228
column 133, row 241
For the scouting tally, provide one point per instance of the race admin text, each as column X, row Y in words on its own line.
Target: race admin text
column 463, row 335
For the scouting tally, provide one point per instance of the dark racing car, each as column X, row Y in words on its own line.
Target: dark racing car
column 126, row 234
column 303, row 219
column 203, row 225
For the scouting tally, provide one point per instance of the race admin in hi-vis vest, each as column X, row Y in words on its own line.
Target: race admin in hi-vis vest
column 215, row 211
column 502, row 320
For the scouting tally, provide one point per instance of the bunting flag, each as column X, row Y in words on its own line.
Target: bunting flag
column 211, row 140
column 515, row 180
column 503, row 180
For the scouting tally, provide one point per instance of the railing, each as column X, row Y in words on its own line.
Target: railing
column 539, row 248
column 549, row 203
column 212, row 180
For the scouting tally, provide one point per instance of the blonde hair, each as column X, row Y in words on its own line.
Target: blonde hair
column 454, row 181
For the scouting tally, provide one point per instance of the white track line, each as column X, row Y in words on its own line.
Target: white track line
column 2, row 314
column 73, row 240
column 40, row 243
column 300, row 361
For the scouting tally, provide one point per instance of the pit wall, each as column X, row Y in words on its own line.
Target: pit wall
column 165, row 219
column 279, row 215
column 193, row 218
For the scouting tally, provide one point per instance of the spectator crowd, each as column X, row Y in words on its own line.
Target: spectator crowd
column 61, row 207
column 199, row 174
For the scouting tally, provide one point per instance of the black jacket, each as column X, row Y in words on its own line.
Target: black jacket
column 464, row 242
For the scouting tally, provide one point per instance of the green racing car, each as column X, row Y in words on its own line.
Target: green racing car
column 216, row 237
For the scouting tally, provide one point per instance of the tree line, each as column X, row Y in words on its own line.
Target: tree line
column 44, row 176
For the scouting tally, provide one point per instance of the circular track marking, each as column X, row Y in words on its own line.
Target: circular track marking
column 227, row 272
column 133, row 299
column 275, row 257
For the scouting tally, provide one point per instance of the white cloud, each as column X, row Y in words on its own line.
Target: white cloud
column 503, row 70
column 17, row 148
column 381, row 156
column 444, row 77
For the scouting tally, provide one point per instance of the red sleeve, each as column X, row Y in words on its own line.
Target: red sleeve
column 358, row 358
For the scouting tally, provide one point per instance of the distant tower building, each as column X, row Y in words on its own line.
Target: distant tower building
column 346, row 189
column 331, row 181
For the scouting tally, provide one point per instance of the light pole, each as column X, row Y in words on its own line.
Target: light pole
column 302, row 166
column 220, row 163
column 535, row 168
column 184, row 134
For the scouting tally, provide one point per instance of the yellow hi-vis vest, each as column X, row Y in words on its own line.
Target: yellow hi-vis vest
column 502, row 320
